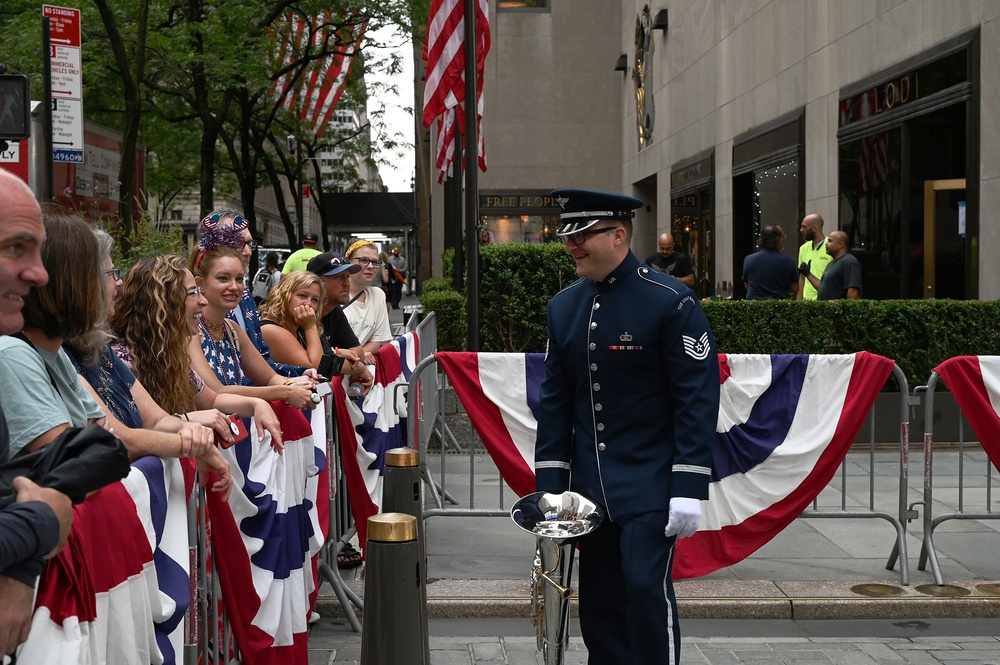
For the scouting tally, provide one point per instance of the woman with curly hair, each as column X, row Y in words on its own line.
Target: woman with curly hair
column 153, row 337
column 43, row 393
column 290, row 319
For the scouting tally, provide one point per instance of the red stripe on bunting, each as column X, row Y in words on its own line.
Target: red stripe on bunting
column 964, row 377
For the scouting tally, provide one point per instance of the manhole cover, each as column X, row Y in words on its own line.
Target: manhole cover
column 989, row 589
column 877, row 590
column 943, row 590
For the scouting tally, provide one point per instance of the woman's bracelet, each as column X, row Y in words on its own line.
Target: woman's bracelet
column 182, row 416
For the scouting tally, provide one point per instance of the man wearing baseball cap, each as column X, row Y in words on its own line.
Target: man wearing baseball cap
column 299, row 260
column 627, row 414
column 336, row 271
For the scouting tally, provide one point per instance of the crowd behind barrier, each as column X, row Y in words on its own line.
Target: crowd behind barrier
column 130, row 603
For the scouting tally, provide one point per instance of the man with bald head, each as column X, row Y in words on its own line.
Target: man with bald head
column 671, row 262
column 813, row 258
column 842, row 278
column 36, row 526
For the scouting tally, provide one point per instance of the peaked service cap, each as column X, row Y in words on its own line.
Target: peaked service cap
column 582, row 208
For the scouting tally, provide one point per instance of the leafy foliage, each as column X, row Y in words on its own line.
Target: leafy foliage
column 149, row 240
column 917, row 334
column 452, row 321
column 516, row 281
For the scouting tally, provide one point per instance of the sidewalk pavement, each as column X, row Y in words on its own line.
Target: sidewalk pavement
column 816, row 569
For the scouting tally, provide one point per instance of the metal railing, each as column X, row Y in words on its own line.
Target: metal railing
column 966, row 483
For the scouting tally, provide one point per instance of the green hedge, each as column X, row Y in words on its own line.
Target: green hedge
column 917, row 334
column 517, row 280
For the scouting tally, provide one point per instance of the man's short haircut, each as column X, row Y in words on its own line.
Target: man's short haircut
column 770, row 237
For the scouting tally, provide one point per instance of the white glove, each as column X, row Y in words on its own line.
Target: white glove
column 685, row 516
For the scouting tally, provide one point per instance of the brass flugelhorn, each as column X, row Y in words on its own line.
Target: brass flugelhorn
column 556, row 520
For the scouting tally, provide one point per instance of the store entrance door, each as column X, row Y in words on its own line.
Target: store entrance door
column 691, row 227
column 944, row 238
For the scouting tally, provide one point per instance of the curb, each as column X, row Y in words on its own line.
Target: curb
column 795, row 600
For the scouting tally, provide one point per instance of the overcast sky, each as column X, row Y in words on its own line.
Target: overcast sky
column 398, row 176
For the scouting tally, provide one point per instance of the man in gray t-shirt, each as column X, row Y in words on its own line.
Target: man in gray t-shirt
column 842, row 278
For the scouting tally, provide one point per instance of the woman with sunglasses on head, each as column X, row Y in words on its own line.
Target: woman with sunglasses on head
column 158, row 310
column 366, row 310
column 223, row 354
column 245, row 315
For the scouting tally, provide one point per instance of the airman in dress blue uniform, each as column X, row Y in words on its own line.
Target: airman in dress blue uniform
column 628, row 410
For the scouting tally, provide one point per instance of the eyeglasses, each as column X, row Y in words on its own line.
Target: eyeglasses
column 196, row 292
column 114, row 272
column 251, row 244
column 580, row 237
column 368, row 262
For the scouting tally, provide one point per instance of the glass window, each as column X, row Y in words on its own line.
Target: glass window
column 776, row 200
column 502, row 229
column 523, row 5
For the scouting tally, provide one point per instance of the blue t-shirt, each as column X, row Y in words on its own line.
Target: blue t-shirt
column 769, row 275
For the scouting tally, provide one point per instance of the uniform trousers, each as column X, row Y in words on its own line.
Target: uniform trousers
column 628, row 611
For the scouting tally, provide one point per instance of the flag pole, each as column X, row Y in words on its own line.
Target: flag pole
column 471, row 179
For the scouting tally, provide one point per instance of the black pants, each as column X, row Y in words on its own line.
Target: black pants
column 628, row 611
column 396, row 293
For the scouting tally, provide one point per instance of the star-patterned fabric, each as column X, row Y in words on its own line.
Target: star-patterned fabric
column 223, row 358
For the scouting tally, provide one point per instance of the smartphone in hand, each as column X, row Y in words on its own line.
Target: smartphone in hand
column 238, row 429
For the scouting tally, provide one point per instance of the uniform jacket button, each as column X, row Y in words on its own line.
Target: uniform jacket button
column 597, row 387
column 593, row 325
column 601, row 447
column 592, row 346
column 598, row 407
column 593, row 367
column 600, row 427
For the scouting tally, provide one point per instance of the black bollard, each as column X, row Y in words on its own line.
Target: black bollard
column 402, row 492
column 402, row 488
column 394, row 594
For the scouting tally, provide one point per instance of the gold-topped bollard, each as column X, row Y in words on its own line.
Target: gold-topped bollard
column 402, row 492
column 394, row 594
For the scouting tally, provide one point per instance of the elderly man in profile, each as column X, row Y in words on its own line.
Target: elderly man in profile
column 36, row 526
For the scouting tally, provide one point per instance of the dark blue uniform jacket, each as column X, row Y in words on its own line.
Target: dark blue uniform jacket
column 630, row 397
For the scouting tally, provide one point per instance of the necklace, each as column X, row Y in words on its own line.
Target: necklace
column 224, row 356
column 212, row 325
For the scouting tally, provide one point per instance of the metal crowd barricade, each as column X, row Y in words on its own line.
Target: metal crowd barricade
column 425, row 424
column 903, row 513
column 930, row 521
column 208, row 639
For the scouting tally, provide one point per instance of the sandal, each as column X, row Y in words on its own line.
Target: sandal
column 349, row 557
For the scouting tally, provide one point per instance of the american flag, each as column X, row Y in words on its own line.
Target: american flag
column 975, row 383
column 307, row 84
column 445, row 89
column 774, row 451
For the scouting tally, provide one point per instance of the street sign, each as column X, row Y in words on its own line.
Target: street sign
column 67, row 83
column 64, row 25
column 67, row 74
column 67, row 131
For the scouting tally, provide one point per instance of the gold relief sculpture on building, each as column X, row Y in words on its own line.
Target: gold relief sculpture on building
column 642, row 76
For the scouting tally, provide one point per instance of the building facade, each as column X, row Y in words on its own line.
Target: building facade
column 551, row 118
column 880, row 115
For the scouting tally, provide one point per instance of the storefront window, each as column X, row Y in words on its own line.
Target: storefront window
column 776, row 198
column 502, row 229
column 527, row 5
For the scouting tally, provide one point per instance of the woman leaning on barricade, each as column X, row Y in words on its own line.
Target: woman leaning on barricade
column 157, row 311
column 366, row 310
column 43, row 395
column 222, row 354
column 289, row 319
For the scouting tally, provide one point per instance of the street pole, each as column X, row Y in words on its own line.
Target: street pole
column 471, row 179
column 299, row 206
